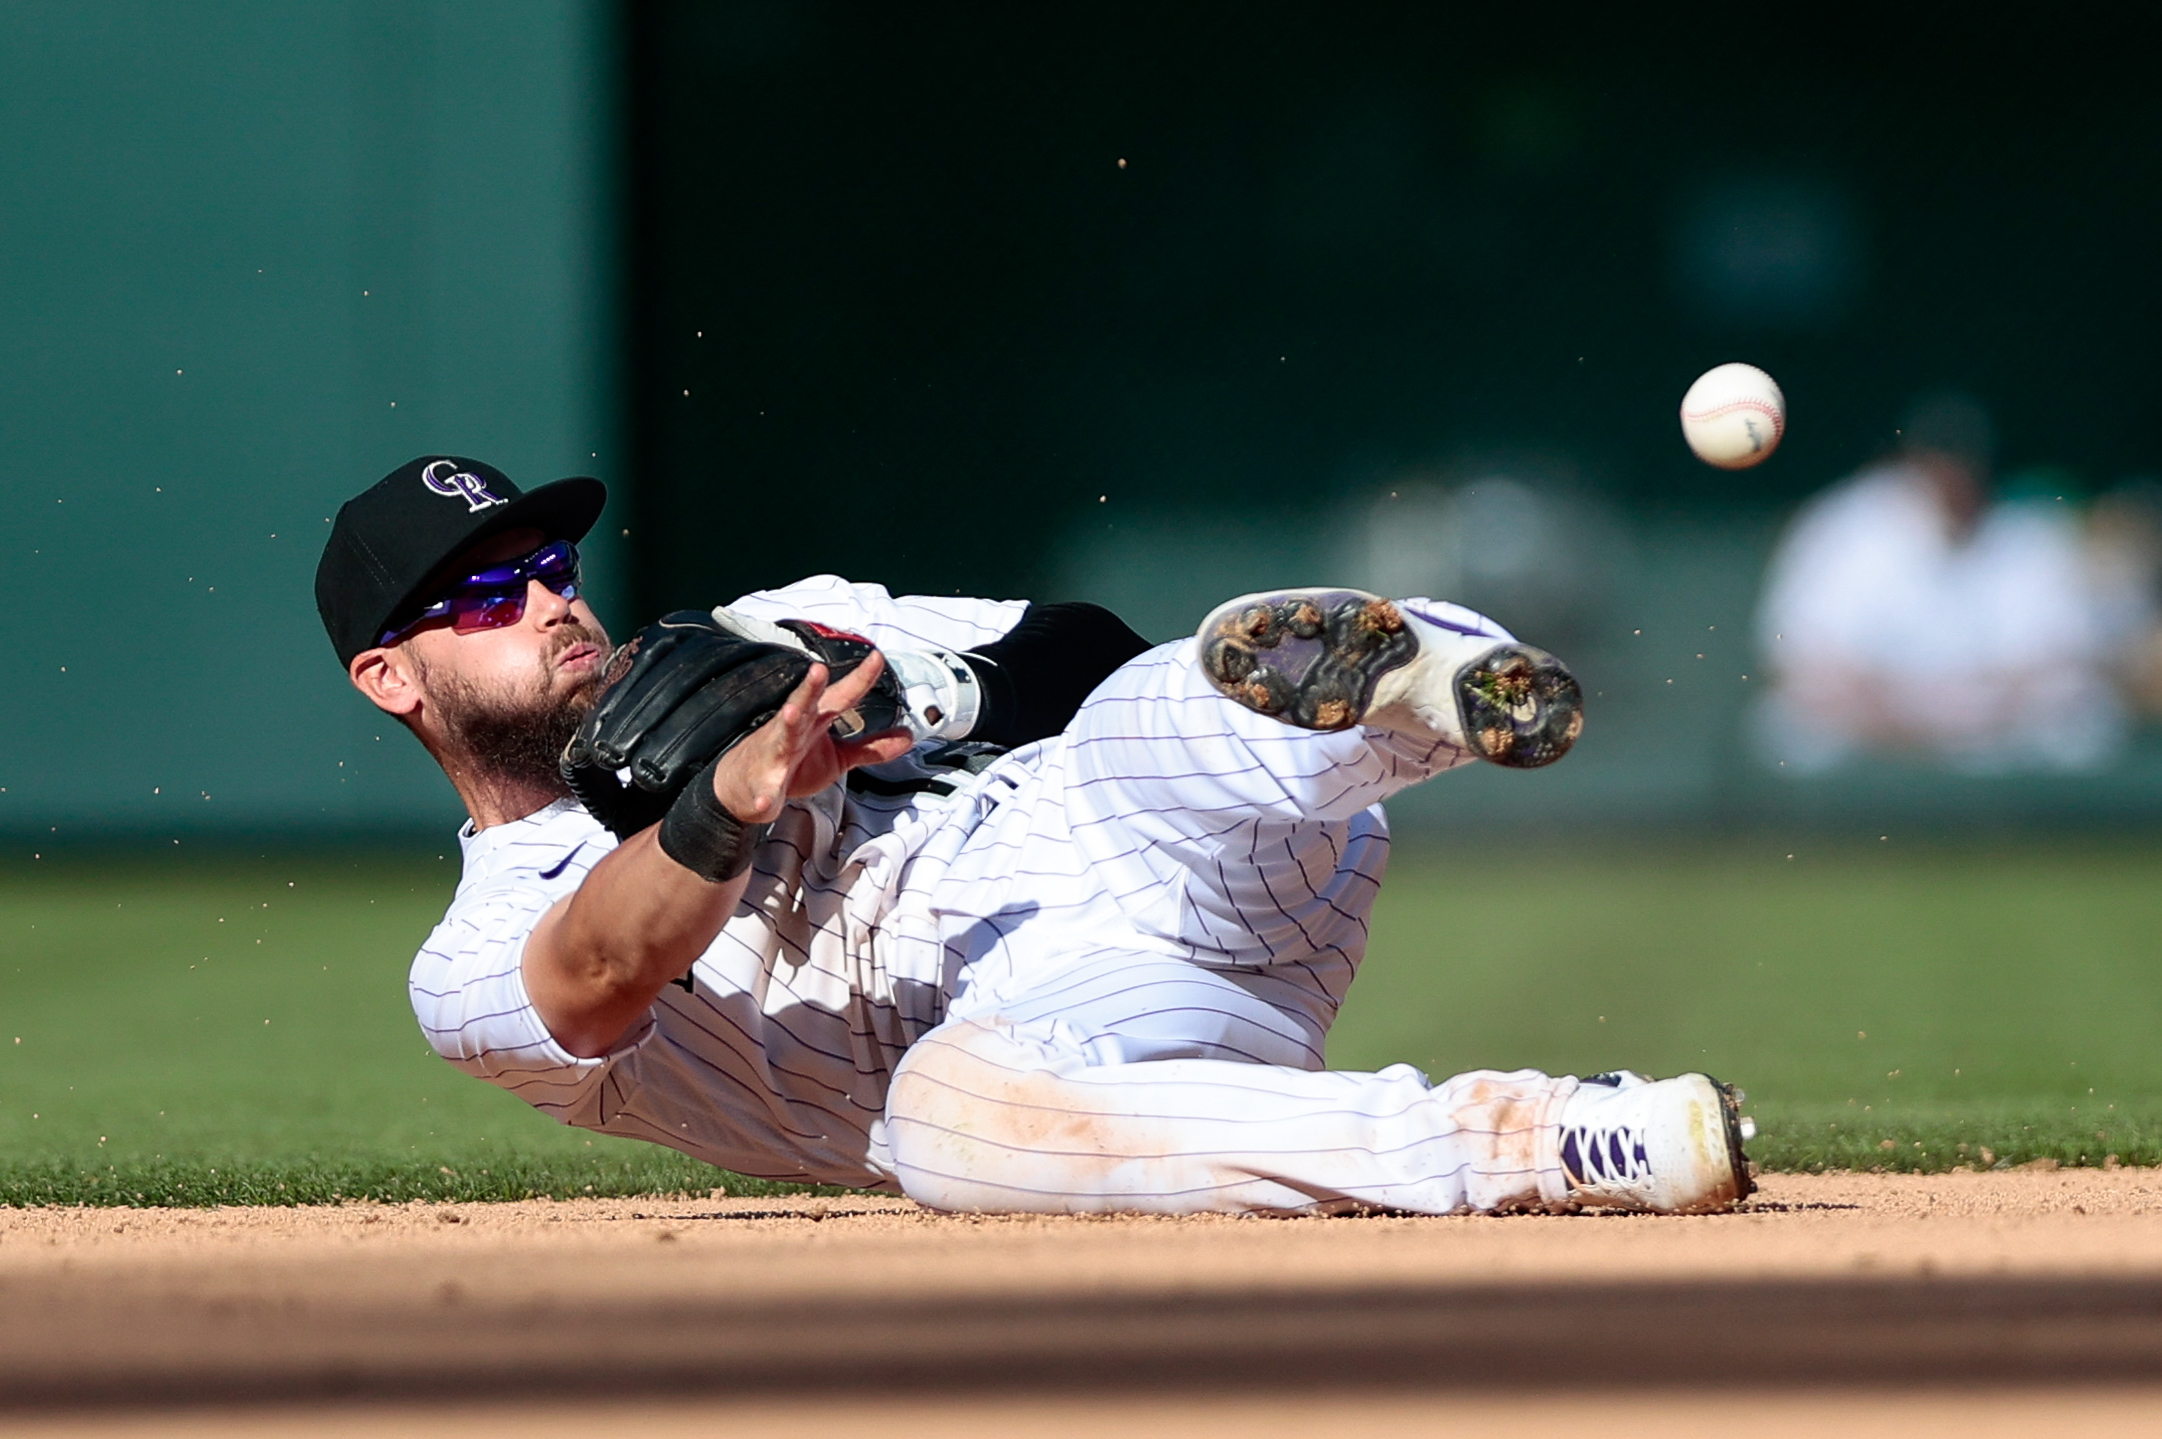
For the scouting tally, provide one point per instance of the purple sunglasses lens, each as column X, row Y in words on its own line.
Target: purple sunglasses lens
column 495, row 597
column 486, row 612
column 482, row 610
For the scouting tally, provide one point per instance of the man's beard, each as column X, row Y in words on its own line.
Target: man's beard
column 516, row 740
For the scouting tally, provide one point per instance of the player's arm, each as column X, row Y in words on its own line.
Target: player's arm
column 1034, row 663
column 598, row 958
column 892, row 622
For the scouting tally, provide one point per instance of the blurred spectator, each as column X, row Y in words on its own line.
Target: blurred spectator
column 2124, row 552
column 1509, row 541
column 1903, row 613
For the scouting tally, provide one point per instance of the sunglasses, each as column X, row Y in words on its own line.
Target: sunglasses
column 492, row 598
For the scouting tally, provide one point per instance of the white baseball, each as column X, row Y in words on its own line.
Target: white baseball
column 1733, row 416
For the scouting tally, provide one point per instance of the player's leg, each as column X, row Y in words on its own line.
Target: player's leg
column 1311, row 705
column 1238, row 835
column 1155, row 932
column 1130, row 1081
column 1038, row 1115
column 1174, row 820
column 1133, row 1081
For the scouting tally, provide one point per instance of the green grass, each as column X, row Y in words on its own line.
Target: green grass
column 176, row 1032
column 1945, row 1000
column 237, row 1031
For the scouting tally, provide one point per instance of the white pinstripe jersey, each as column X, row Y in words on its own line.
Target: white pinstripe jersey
column 773, row 1058
column 1173, row 873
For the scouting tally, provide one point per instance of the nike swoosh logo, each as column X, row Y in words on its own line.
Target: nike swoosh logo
column 558, row 867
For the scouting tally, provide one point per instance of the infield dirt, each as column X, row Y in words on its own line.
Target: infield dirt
column 1966, row 1301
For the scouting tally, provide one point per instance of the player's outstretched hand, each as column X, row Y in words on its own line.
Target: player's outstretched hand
column 795, row 753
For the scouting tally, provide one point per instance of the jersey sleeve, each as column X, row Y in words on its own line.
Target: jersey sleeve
column 887, row 620
column 468, row 988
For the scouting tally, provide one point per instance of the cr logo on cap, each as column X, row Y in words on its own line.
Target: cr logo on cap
column 446, row 479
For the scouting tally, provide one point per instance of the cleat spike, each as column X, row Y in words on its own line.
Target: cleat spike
column 1336, row 658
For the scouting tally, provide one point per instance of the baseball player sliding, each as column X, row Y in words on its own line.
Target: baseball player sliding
column 988, row 902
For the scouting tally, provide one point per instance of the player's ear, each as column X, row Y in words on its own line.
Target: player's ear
column 387, row 678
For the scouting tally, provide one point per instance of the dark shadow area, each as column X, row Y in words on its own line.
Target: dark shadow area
column 1754, row 1335
column 923, row 295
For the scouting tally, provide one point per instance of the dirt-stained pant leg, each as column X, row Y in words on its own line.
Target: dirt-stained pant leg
column 1037, row 1118
column 1145, row 1032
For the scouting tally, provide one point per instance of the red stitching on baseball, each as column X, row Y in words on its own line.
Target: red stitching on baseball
column 1779, row 421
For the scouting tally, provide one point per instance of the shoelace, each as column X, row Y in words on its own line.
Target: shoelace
column 1604, row 1156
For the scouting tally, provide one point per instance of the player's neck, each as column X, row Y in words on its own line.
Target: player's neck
column 493, row 797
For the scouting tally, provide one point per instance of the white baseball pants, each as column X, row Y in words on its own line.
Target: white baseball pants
column 1155, row 934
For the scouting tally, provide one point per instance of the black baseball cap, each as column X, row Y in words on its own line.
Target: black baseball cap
column 388, row 540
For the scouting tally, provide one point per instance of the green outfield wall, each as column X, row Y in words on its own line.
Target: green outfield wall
column 1147, row 305
column 253, row 255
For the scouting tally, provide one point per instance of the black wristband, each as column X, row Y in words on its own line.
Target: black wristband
column 700, row 834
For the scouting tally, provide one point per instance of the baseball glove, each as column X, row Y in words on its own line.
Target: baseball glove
column 885, row 707
column 683, row 691
column 687, row 688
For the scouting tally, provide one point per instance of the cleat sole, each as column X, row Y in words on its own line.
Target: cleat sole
column 1739, row 1132
column 1309, row 659
column 1522, row 708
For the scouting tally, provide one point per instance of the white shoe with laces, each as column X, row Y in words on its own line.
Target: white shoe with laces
column 1667, row 1146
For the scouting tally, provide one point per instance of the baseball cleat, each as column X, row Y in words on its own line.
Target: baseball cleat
column 1327, row 659
column 1667, row 1146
